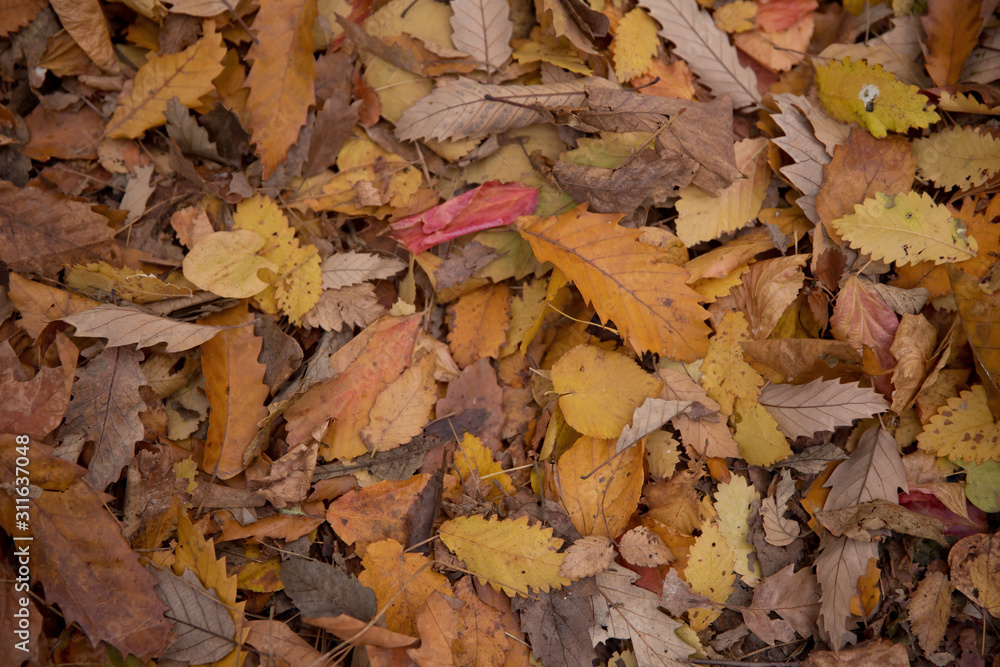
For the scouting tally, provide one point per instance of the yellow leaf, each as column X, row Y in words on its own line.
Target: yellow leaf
column 871, row 97
column 369, row 180
column 635, row 44
column 906, row 228
column 403, row 408
column 963, row 429
column 662, row 453
column 475, row 461
column 509, row 554
column 760, row 441
column 479, row 323
column 957, row 157
column 709, row 572
column 735, row 502
column 602, row 503
column 736, row 17
column 725, row 375
column 296, row 285
column 631, row 283
column 599, row 390
column 197, row 553
column 281, row 78
column 402, row 583
column 558, row 52
column 186, row 75
column 126, row 282
column 524, row 312
column 703, row 216
column 227, row 264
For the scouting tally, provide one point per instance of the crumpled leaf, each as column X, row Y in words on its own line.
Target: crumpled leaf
column 794, row 596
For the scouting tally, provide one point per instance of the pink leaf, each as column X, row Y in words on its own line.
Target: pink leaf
column 492, row 204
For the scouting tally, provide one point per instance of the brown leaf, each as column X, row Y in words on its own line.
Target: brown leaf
column 975, row 570
column 438, row 627
column 643, row 548
column 873, row 472
column 481, row 638
column 821, row 405
column 838, row 566
column 952, row 29
column 105, row 409
column 860, row 521
column 41, row 231
column 322, row 590
column 128, row 326
column 479, row 323
column 929, row 610
column 482, row 28
column 559, row 624
column 587, row 556
column 277, row 643
column 766, row 289
column 794, row 596
column 201, row 621
column 84, row 20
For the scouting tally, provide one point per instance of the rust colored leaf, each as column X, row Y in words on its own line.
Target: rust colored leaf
column 89, row 570
column 366, row 366
column 402, row 582
column 281, row 79
column 376, row 512
column 628, row 282
column 230, row 361
column 952, row 28
column 41, row 231
column 479, row 323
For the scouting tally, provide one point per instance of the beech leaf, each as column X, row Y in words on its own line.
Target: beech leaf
column 127, row 326
column 821, row 405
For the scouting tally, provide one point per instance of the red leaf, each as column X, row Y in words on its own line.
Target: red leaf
column 928, row 505
column 492, row 204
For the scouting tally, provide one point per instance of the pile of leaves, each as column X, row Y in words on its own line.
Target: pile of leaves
column 500, row 333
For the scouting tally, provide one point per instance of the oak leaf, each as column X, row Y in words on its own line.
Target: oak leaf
column 281, row 78
column 508, row 554
column 234, row 382
column 186, row 75
column 626, row 281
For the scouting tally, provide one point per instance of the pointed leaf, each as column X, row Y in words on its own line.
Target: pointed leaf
column 821, row 405
column 127, row 326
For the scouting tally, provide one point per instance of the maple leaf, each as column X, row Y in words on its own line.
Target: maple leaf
column 625, row 280
column 508, row 554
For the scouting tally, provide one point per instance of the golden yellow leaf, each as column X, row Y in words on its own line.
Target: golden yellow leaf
column 281, row 78
column 635, row 44
column 474, row 461
column 628, row 282
column 479, row 322
column 602, row 503
column 963, row 429
column 703, row 216
column 871, row 97
column 725, row 375
column 760, row 441
column 128, row 283
column 709, row 572
column 403, row 408
column 599, row 390
column 186, row 75
column 402, row 583
column 295, row 285
column 735, row 501
column 958, row 157
column 736, row 17
column 508, row 554
column 228, row 264
column 906, row 228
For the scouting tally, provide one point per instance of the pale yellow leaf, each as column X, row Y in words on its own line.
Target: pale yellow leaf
column 957, row 157
column 963, row 429
column 734, row 501
column 709, row 571
column 227, row 264
column 589, row 555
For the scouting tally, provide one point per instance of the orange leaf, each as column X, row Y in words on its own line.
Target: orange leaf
column 952, row 28
column 186, row 75
column 366, row 365
column 479, row 323
column 376, row 512
column 402, row 583
column 628, row 282
column 603, row 503
column 281, row 79
column 234, row 381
